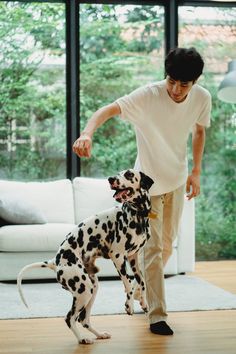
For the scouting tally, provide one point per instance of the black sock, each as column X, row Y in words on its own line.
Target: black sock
column 161, row 328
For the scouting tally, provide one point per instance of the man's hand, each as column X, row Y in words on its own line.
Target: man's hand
column 193, row 185
column 83, row 145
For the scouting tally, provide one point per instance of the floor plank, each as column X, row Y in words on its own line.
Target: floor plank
column 220, row 273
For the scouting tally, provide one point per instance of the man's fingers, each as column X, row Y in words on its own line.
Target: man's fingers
column 82, row 147
column 188, row 185
column 194, row 193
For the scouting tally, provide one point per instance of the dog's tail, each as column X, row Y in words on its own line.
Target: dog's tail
column 47, row 264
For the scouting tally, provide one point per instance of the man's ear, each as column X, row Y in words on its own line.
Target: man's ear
column 146, row 182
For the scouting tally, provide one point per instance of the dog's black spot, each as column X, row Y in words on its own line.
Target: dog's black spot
column 142, row 244
column 63, row 283
column 132, row 263
column 125, row 218
column 58, row 257
column 93, row 243
column 132, row 224
column 59, row 274
column 124, row 230
column 121, row 225
column 71, row 284
column 80, row 238
column 105, row 252
column 72, row 242
column 70, row 256
column 110, row 237
column 128, row 244
column 104, row 227
column 81, row 288
column 68, row 318
column 90, row 231
column 109, row 224
column 129, row 175
column 82, row 314
column 137, row 277
column 123, row 268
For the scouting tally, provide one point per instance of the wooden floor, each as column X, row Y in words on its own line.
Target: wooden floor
column 201, row 332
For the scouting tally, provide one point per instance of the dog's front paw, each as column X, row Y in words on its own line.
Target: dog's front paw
column 86, row 341
column 103, row 335
column 129, row 307
column 143, row 304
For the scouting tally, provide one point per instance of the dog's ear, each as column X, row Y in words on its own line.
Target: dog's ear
column 146, row 182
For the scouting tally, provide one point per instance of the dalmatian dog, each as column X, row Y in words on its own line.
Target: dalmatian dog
column 117, row 233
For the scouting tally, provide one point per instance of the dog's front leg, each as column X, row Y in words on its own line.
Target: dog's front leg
column 120, row 264
column 133, row 260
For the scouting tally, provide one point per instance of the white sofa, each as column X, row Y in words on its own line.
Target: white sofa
column 64, row 203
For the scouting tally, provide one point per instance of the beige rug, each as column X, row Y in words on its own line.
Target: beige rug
column 183, row 293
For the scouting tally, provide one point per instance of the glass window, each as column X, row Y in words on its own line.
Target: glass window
column 121, row 48
column 212, row 31
column 32, row 91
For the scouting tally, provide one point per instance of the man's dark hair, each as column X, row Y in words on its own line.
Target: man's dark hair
column 184, row 64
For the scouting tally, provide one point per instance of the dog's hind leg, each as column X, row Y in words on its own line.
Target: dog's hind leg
column 70, row 321
column 85, row 321
column 77, row 313
column 78, row 282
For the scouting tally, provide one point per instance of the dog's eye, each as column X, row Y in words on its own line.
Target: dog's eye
column 129, row 175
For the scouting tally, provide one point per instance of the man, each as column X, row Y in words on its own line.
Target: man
column 163, row 114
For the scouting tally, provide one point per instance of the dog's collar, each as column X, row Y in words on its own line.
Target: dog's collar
column 146, row 214
column 152, row 215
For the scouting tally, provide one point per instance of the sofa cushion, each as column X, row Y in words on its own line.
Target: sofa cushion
column 54, row 198
column 91, row 195
column 36, row 238
column 16, row 210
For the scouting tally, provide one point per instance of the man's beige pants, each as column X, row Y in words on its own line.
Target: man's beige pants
column 158, row 249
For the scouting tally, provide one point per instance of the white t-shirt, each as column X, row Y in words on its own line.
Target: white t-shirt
column 162, row 128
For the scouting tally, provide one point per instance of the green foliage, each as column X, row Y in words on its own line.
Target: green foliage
column 215, row 208
column 149, row 20
column 32, row 101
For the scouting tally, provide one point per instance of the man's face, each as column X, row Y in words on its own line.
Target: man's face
column 178, row 90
